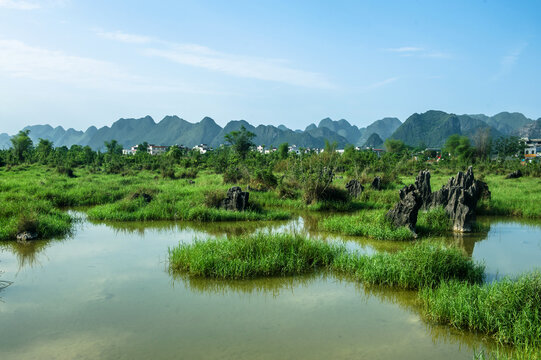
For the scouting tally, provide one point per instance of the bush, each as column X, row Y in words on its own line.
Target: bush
column 189, row 173
column 64, row 170
column 214, row 198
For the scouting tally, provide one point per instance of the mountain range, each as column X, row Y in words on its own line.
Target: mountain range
column 430, row 129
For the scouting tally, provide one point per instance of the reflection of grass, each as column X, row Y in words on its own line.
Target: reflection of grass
column 268, row 285
column 509, row 310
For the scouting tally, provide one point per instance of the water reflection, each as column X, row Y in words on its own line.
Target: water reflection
column 262, row 286
column 27, row 253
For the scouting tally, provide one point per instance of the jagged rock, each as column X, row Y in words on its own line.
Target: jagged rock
column 236, row 200
column 354, row 188
column 26, row 235
column 404, row 213
column 459, row 198
column 376, row 183
column 514, row 175
column 422, row 184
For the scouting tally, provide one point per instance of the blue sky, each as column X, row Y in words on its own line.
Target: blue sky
column 81, row 63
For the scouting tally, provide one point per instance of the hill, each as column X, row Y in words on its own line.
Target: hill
column 433, row 127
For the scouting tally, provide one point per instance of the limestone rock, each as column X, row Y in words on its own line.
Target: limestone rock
column 376, row 183
column 404, row 213
column 236, row 199
column 26, row 235
column 514, row 175
column 422, row 184
column 354, row 188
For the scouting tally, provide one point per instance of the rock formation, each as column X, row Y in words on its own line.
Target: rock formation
column 236, row 199
column 404, row 213
column 514, row 175
column 458, row 197
column 376, row 183
column 354, row 188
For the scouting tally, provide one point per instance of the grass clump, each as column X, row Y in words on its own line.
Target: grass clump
column 370, row 223
column 509, row 310
column 421, row 265
column 246, row 257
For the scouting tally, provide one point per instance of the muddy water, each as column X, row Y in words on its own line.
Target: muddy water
column 105, row 293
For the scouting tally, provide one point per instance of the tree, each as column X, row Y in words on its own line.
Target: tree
column 142, row 148
column 459, row 147
column 44, row 150
column 395, row 146
column 22, row 146
column 509, row 146
column 241, row 141
column 483, row 143
column 283, row 151
column 113, row 147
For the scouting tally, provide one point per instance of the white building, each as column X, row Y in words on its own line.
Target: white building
column 202, row 148
column 151, row 149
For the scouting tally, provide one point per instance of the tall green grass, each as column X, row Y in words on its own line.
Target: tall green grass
column 418, row 266
column 509, row 310
column 368, row 223
column 252, row 256
column 284, row 254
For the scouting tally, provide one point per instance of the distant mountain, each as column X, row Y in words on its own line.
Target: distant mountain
column 505, row 122
column 432, row 128
column 343, row 128
column 373, row 141
column 384, row 128
column 4, row 141
column 531, row 130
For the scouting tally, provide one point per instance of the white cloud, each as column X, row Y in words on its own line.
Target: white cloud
column 19, row 5
column 405, row 49
column 30, row 5
column 236, row 65
column 20, row 60
column 508, row 61
column 123, row 37
column 382, row 83
column 414, row 51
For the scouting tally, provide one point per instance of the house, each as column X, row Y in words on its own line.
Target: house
column 151, row 149
column 202, row 148
column 532, row 149
column 157, row 149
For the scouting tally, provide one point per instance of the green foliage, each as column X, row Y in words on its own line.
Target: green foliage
column 421, row 265
column 509, row 146
column 21, row 147
column 509, row 310
column 460, row 148
column 395, row 146
column 283, row 151
column 367, row 223
column 252, row 256
column 241, row 141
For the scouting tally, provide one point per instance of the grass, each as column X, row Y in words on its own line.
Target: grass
column 509, row 310
column 20, row 213
column 243, row 257
column 369, row 223
column 253, row 256
column 418, row 266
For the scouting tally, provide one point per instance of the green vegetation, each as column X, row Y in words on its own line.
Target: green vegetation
column 418, row 266
column 252, row 256
column 285, row 254
column 368, row 223
column 509, row 310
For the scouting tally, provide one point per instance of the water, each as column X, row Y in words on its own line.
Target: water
column 106, row 293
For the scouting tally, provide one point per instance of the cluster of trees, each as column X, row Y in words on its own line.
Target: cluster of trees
column 237, row 161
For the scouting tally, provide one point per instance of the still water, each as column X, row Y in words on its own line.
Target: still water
column 106, row 293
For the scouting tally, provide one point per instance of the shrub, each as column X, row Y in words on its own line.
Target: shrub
column 214, row 198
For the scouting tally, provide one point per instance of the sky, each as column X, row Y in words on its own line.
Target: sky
column 90, row 62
